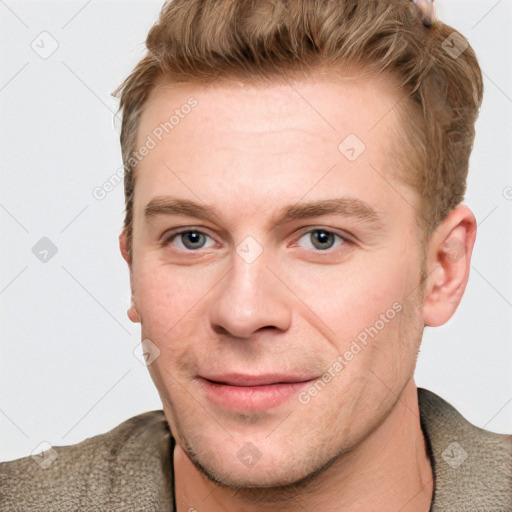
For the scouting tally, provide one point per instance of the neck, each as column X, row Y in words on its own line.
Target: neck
column 389, row 470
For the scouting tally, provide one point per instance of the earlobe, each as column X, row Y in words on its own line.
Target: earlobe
column 133, row 314
column 449, row 261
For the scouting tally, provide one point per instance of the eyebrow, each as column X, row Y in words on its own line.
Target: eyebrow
column 345, row 206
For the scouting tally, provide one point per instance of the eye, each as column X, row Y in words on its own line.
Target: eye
column 188, row 240
column 321, row 239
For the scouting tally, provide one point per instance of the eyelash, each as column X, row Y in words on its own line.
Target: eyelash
column 174, row 234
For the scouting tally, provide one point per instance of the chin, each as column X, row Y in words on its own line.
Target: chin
column 264, row 477
column 280, row 471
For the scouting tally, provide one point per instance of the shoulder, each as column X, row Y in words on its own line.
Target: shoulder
column 130, row 462
column 472, row 466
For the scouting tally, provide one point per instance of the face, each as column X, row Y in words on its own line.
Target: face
column 276, row 262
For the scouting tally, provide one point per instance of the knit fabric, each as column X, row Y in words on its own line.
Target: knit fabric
column 472, row 467
column 129, row 468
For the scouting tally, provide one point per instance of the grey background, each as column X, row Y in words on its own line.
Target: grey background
column 67, row 368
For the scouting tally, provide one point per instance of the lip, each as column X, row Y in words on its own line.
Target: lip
column 252, row 392
column 266, row 379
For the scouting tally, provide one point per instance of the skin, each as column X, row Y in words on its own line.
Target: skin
column 248, row 151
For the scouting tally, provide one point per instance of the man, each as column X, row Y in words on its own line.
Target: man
column 294, row 179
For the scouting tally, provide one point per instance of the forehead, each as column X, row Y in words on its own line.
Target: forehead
column 327, row 100
column 275, row 140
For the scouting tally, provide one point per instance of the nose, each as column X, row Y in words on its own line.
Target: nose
column 251, row 298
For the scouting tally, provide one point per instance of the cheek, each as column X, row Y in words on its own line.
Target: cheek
column 345, row 299
column 166, row 297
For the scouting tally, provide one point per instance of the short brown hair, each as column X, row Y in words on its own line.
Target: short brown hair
column 257, row 40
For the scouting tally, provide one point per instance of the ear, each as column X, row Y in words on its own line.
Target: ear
column 133, row 314
column 448, row 263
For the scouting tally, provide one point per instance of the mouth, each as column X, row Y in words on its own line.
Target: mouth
column 252, row 392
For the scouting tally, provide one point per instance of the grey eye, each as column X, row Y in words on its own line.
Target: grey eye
column 191, row 240
column 321, row 239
